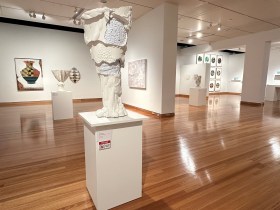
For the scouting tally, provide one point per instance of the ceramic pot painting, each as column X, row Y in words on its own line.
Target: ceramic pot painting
column 29, row 73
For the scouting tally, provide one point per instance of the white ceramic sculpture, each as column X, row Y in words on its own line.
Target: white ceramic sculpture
column 106, row 34
column 197, row 80
column 61, row 76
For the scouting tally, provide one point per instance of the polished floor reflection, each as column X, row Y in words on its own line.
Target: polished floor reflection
column 221, row 156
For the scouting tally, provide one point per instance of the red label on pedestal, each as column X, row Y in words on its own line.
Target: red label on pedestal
column 105, row 145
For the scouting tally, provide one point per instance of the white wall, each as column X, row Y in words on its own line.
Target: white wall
column 187, row 56
column 235, row 69
column 187, row 77
column 274, row 67
column 148, row 39
column 57, row 49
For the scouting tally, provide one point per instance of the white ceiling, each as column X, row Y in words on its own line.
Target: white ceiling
column 237, row 17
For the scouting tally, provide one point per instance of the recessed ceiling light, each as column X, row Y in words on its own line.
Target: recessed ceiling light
column 198, row 35
column 190, row 41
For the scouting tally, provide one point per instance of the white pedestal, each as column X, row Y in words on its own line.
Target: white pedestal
column 113, row 175
column 197, row 96
column 272, row 92
column 62, row 105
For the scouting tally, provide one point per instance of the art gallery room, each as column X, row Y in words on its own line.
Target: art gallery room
column 139, row 104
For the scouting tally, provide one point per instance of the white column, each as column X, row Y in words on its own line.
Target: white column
column 154, row 37
column 255, row 71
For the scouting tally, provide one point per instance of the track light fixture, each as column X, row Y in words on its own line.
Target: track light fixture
column 76, row 10
column 76, row 21
column 219, row 27
column 43, row 16
column 32, row 14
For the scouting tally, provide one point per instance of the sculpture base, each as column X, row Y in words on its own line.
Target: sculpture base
column 113, row 157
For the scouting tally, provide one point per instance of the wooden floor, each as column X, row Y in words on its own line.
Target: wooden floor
column 224, row 156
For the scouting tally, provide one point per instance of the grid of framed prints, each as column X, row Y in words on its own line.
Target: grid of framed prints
column 216, row 63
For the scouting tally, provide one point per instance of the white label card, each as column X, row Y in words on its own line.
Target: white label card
column 104, row 135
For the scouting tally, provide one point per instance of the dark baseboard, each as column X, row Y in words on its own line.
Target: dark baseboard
column 148, row 112
column 224, row 93
column 251, row 103
column 182, row 95
column 31, row 103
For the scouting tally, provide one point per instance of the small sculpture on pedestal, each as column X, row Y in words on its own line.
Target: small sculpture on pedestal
column 61, row 76
column 197, row 79
column 106, row 32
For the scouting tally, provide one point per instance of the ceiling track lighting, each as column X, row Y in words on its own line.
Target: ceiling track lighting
column 219, row 27
column 77, row 21
column 33, row 14
column 77, row 16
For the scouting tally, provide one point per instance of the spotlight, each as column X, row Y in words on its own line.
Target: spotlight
column 219, row 28
column 34, row 15
column 198, row 35
column 74, row 21
column 30, row 14
column 43, row 16
column 190, row 41
column 76, row 10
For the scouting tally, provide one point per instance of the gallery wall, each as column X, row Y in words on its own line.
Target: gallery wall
column 187, row 77
column 187, row 56
column 150, row 39
column 59, row 50
column 273, row 67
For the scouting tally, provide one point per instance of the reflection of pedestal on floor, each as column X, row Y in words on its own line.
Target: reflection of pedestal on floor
column 197, row 96
column 272, row 92
column 62, row 105
column 113, row 154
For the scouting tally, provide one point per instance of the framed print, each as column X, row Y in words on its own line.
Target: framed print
column 219, row 60
column 29, row 74
column 199, row 58
column 207, row 58
column 218, row 85
column 212, row 86
column 218, row 73
column 212, row 72
column 137, row 74
column 213, row 60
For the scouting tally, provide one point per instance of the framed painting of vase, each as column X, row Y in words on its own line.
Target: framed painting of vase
column 29, row 74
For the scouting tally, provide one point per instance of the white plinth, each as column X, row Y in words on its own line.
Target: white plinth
column 197, row 96
column 272, row 93
column 62, row 105
column 113, row 175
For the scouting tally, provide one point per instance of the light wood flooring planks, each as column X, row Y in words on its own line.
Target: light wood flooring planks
column 222, row 156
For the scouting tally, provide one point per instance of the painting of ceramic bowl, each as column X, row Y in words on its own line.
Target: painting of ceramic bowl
column 30, row 80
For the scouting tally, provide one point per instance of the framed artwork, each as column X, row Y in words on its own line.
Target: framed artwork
column 199, row 58
column 219, row 60
column 207, row 58
column 212, row 72
column 212, row 86
column 218, row 85
column 137, row 74
column 213, row 60
column 29, row 74
column 218, row 73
